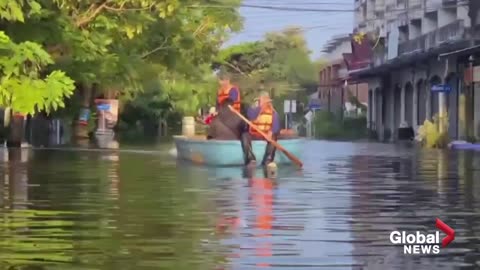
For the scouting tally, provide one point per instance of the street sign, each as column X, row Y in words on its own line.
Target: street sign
column 286, row 106
column 103, row 107
column 309, row 116
column 289, row 106
column 441, row 88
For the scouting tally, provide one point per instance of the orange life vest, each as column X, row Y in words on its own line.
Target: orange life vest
column 264, row 120
column 224, row 93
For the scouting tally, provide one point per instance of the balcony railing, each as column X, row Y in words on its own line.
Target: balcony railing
column 433, row 5
column 415, row 11
column 379, row 6
column 449, row 3
column 390, row 7
column 450, row 32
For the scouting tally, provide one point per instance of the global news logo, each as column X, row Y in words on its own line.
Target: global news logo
column 419, row 243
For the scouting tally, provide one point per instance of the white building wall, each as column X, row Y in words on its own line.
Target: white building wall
column 462, row 14
column 337, row 52
column 428, row 24
column 476, row 112
column 446, row 16
column 414, row 31
column 432, row 4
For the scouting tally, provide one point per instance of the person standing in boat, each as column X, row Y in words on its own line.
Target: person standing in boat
column 226, row 125
column 228, row 91
column 266, row 119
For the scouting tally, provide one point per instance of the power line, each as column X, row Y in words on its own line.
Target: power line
column 303, row 27
column 284, row 8
column 219, row 4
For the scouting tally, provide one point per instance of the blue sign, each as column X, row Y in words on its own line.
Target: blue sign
column 315, row 106
column 103, row 107
column 84, row 115
column 441, row 88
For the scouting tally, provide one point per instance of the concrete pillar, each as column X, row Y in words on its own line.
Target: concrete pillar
column 461, row 110
column 380, row 120
column 428, row 100
column 442, row 111
column 373, row 106
column 476, row 111
column 402, row 105
column 369, row 109
column 442, row 105
column 415, row 108
column 391, row 111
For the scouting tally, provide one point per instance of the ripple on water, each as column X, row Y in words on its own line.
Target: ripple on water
column 138, row 210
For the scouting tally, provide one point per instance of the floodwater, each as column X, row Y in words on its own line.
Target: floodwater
column 109, row 210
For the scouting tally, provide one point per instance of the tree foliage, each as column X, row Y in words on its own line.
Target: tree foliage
column 279, row 63
column 120, row 45
column 24, row 86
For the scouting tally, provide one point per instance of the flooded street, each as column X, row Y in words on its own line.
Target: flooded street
column 106, row 210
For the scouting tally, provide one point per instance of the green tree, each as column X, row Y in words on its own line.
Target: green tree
column 280, row 63
column 118, row 47
column 25, row 86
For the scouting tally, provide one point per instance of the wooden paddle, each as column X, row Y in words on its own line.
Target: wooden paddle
column 293, row 158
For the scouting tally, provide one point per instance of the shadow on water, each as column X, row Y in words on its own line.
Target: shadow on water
column 140, row 210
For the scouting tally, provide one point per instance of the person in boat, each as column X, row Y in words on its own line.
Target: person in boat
column 211, row 115
column 228, row 91
column 266, row 119
column 208, row 118
column 226, row 125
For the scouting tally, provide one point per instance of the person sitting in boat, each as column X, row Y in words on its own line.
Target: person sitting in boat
column 211, row 115
column 226, row 125
column 228, row 91
column 208, row 118
column 266, row 119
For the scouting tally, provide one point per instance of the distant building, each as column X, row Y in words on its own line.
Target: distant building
column 335, row 87
column 418, row 46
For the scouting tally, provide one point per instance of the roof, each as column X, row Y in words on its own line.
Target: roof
column 334, row 42
column 332, row 63
column 469, row 50
column 407, row 59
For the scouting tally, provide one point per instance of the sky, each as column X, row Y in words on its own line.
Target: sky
column 319, row 26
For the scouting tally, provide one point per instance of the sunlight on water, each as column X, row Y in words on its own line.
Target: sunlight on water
column 140, row 209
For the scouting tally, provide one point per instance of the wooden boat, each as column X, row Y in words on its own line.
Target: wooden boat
column 199, row 150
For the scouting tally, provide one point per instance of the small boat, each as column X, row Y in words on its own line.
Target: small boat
column 199, row 150
column 463, row 145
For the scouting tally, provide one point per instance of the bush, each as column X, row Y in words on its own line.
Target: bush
column 330, row 126
column 430, row 136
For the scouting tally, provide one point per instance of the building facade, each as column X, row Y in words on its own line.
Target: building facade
column 335, row 89
column 418, row 46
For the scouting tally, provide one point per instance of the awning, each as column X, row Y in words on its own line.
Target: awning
column 407, row 59
column 466, row 51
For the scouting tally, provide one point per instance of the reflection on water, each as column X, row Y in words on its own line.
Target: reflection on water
column 137, row 210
